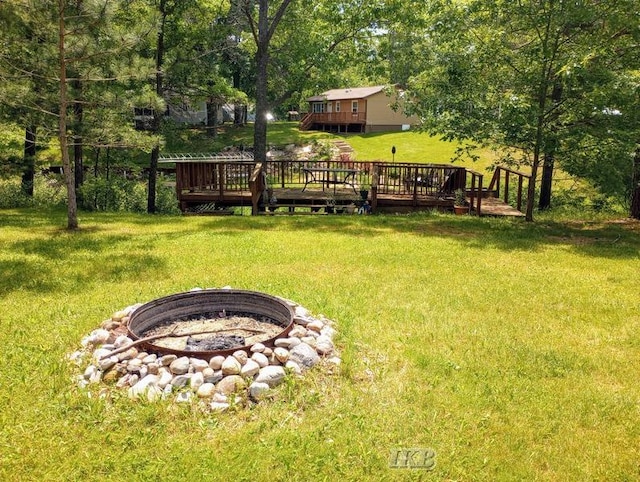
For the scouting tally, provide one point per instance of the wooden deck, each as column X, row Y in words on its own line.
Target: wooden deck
column 283, row 187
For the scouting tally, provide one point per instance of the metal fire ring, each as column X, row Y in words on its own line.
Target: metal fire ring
column 181, row 305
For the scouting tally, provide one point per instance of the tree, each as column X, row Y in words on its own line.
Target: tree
column 263, row 26
column 515, row 74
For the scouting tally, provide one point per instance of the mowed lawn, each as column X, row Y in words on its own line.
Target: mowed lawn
column 511, row 350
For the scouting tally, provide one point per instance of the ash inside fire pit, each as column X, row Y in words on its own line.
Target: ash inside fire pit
column 220, row 342
column 213, row 331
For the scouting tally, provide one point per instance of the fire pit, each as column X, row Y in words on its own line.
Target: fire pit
column 207, row 323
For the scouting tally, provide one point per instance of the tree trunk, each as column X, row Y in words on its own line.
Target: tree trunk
column 635, row 186
column 550, row 151
column 157, row 116
column 239, row 110
column 546, row 181
column 29, row 160
column 212, row 118
column 262, row 62
column 78, row 161
column 72, row 210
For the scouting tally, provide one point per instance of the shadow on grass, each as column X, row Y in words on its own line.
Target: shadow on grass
column 618, row 240
column 58, row 260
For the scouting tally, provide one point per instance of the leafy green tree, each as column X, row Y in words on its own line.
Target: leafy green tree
column 516, row 74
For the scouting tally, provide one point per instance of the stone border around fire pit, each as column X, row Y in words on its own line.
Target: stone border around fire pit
column 110, row 359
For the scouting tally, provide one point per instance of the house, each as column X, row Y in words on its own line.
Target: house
column 360, row 109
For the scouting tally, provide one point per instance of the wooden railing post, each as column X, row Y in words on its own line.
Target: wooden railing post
column 506, row 187
column 375, row 178
column 519, row 199
column 256, row 186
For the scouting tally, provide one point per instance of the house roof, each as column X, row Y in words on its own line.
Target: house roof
column 347, row 94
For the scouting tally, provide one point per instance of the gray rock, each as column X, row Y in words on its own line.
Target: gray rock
column 180, row 381
column 272, row 375
column 304, row 355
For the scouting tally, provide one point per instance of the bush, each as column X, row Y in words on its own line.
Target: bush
column 48, row 190
column 122, row 194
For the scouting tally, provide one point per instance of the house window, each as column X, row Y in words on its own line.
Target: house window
column 338, row 106
column 318, row 108
column 354, row 106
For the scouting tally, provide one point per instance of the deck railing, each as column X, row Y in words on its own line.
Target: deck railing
column 213, row 176
column 500, row 184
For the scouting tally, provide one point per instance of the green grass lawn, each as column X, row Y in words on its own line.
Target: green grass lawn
column 510, row 349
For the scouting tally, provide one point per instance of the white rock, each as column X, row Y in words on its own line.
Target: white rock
column 260, row 359
column 150, row 359
column 141, row 387
column 257, row 348
column 216, row 362
column 107, row 363
column 180, row 381
column 164, row 378
column 324, row 345
column 257, row 390
column 334, row 360
column 282, row 343
column 196, row 381
column 250, row 368
column 231, row 384
column 309, row 340
column 219, row 397
column 304, row 355
column 241, row 356
column 121, row 341
column 271, row 375
column 231, row 366
column 298, row 331
column 315, row 325
column 212, row 376
column 167, row 360
column 183, row 397
column 89, row 371
column 179, row 366
column 301, row 311
column 129, row 354
column 281, row 354
column 294, row 341
column 294, row 367
column 328, row 332
column 219, row 406
column 206, row 390
column 198, row 364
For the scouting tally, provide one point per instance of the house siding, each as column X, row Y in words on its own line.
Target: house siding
column 380, row 115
